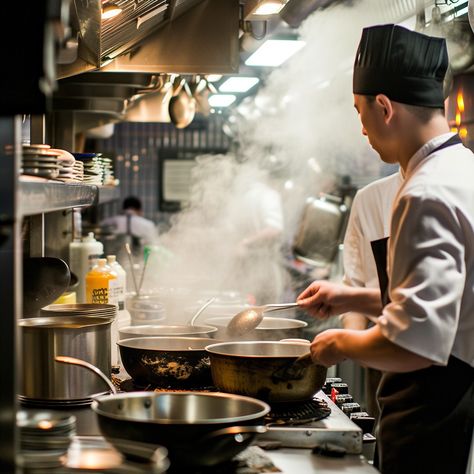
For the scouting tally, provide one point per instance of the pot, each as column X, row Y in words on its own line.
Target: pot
column 83, row 337
column 129, row 332
column 198, row 429
column 270, row 329
column 254, row 368
column 176, row 362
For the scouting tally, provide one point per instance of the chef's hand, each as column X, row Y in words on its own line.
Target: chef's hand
column 324, row 298
column 324, row 348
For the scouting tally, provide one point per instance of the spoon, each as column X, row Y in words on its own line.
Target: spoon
column 87, row 365
column 201, row 309
column 250, row 318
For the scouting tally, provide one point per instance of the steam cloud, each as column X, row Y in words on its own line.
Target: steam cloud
column 303, row 119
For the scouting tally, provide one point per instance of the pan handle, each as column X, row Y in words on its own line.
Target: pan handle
column 87, row 365
column 237, row 431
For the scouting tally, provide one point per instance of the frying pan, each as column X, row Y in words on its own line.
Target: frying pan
column 44, row 280
column 171, row 362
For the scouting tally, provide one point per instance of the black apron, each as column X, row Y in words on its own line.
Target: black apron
column 427, row 416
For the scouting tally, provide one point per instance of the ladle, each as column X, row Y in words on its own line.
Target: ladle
column 87, row 365
column 201, row 309
column 250, row 318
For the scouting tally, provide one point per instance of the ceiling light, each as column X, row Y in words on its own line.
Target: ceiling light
column 221, row 100
column 270, row 7
column 274, row 52
column 213, row 77
column 238, row 84
column 110, row 11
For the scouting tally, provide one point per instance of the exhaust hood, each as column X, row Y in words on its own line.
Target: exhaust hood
column 155, row 36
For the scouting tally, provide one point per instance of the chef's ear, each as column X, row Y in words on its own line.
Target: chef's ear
column 386, row 105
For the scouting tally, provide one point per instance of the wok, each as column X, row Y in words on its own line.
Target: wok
column 259, row 369
column 176, row 362
column 163, row 330
column 198, row 429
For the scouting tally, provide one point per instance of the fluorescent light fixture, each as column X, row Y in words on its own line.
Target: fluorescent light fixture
column 238, row 84
column 274, row 52
column 269, row 7
column 221, row 100
column 213, row 77
column 110, row 11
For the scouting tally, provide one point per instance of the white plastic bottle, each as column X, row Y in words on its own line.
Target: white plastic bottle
column 82, row 254
column 123, row 316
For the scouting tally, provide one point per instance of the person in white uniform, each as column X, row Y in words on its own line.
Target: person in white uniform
column 369, row 221
column 132, row 222
column 423, row 341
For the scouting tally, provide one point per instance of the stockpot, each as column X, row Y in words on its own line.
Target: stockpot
column 83, row 337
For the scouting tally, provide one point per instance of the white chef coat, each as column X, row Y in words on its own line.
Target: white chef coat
column 431, row 256
column 140, row 227
column 369, row 220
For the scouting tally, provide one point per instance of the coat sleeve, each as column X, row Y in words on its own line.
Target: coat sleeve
column 427, row 276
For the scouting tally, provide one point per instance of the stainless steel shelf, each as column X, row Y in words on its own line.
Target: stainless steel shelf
column 39, row 197
column 108, row 194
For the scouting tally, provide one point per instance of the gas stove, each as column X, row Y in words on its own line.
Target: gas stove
column 323, row 421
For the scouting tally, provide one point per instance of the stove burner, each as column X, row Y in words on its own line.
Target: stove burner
column 128, row 385
column 298, row 413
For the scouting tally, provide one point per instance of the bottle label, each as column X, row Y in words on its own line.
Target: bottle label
column 98, row 295
column 115, row 291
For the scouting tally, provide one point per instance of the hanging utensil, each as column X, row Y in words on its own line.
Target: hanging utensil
column 250, row 318
column 201, row 309
column 132, row 269
column 182, row 105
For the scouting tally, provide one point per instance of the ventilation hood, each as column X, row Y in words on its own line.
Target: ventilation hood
column 154, row 36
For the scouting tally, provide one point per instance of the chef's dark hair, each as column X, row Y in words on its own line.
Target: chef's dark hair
column 132, row 202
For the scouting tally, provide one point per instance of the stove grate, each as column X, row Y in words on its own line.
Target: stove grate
column 298, row 413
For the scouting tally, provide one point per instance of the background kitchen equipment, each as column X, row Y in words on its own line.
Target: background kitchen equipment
column 45, row 382
column 249, row 318
column 129, row 332
column 321, row 229
column 252, row 368
column 182, row 105
column 44, row 280
column 270, row 329
column 169, row 362
column 145, row 309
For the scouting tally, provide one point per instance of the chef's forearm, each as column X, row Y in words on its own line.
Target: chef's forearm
column 371, row 348
column 365, row 301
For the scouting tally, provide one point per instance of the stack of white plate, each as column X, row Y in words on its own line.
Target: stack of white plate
column 93, row 167
column 78, row 171
column 66, row 163
column 108, row 311
column 45, row 437
column 108, row 176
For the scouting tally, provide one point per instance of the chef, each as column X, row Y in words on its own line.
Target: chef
column 424, row 339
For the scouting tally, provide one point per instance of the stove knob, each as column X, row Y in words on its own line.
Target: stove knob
column 341, row 387
column 343, row 398
column 363, row 420
column 328, row 384
column 349, row 407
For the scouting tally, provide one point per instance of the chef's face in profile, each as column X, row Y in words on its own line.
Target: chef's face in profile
column 376, row 120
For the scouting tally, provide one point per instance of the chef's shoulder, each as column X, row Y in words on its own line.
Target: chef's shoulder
column 380, row 188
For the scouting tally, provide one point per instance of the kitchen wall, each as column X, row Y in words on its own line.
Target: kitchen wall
column 137, row 149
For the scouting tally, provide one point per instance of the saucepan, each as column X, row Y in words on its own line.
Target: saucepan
column 198, row 429
column 174, row 362
column 260, row 369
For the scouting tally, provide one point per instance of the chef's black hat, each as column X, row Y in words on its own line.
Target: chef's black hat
column 406, row 66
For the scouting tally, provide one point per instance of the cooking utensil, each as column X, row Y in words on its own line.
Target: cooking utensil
column 44, row 280
column 82, row 337
column 132, row 268
column 128, row 332
column 250, row 318
column 93, row 368
column 253, row 369
column 182, row 106
column 176, row 362
column 201, row 309
column 198, row 429
column 270, row 329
